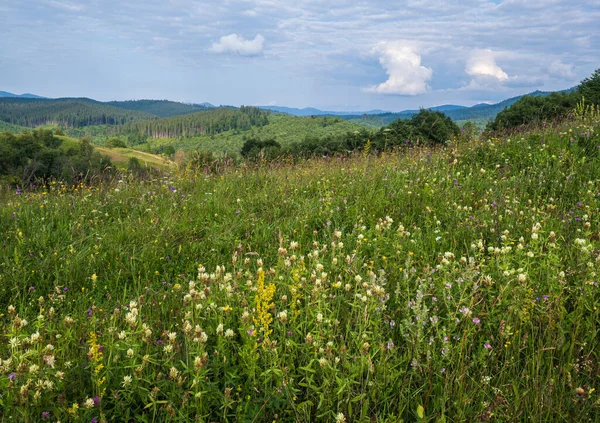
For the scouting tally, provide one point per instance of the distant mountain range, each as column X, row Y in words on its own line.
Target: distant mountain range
column 479, row 113
column 11, row 95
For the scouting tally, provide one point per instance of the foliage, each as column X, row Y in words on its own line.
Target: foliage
column 535, row 110
column 286, row 130
column 35, row 157
column 115, row 143
column 67, row 112
column 212, row 121
column 435, row 127
column 590, row 88
column 253, row 148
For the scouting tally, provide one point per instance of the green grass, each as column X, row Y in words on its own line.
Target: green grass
column 120, row 156
column 457, row 284
column 284, row 129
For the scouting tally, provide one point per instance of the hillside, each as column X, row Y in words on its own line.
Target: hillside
column 68, row 112
column 370, row 287
column 15, row 129
column 210, row 121
column 120, row 156
column 480, row 114
column 160, row 108
column 284, row 129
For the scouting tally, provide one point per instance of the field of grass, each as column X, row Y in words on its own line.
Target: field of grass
column 284, row 129
column 120, row 156
column 450, row 285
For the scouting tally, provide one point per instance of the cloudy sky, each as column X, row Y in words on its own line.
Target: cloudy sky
column 335, row 55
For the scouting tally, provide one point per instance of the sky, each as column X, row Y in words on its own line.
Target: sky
column 333, row 55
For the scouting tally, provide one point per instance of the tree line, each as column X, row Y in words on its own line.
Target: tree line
column 209, row 122
column 427, row 127
column 33, row 157
column 70, row 113
column 535, row 110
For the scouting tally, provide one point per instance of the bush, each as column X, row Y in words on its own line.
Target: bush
column 116, row 143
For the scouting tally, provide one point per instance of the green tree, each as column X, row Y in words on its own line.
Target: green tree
column 434, row 126
column 590, row 88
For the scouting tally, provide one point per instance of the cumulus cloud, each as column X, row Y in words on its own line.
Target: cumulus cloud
column 406, row 75
column 237, row 44
column 482, row 64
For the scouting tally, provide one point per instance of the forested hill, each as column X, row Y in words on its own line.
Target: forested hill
column 160, row 108
column 67, row 112
column 479, row 112
column 212, row 121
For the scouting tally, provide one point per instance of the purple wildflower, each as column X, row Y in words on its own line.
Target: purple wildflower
column 12, row 376
column 45, row 415
column 65, row 289
column 90, row 313
column 487, row 346
column 18, row 192
column 476, row 320
column 96, row 401
column 32, row 288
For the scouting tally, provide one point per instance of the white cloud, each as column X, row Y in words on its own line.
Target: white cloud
column 406, row 75
column 482, row 64
column 236, row 44
column 561, row 70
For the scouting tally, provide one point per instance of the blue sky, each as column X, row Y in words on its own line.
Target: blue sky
column 335, row 55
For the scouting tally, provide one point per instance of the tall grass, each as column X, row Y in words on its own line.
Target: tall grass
column 448, row 285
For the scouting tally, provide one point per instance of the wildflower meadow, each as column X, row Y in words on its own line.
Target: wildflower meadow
column 449, row 284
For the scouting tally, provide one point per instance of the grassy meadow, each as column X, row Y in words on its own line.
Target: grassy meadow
column 457, row 284
column 120, row 156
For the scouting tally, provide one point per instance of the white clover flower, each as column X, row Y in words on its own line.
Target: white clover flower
column 122, row 335
column 521, row 277
column 229, row 333
column 220, row 329
column 319, row 318
column 282, row 315
column 173, row 372
column 89, row 403
column 323, row 362
column 49, row 359
column 172, row 336
column 126, row 381
column 130, row 353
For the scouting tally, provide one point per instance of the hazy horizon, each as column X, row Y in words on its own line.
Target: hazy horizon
column 342, row 56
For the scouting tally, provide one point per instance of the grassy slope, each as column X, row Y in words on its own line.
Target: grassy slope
column 509, row 332
column 121, row 156
column 284, row 129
